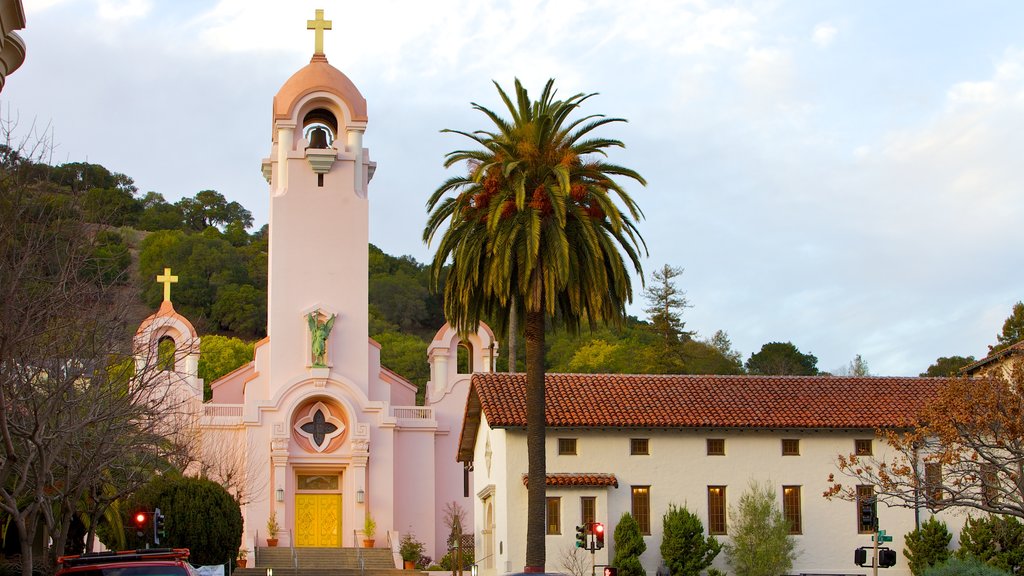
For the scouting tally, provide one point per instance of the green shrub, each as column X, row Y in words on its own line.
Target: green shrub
column 994, row 540
column 927, row 546
column 761, row 544
column 200, row 515
column 683, row 547
column 965, row 567
column 629, row 545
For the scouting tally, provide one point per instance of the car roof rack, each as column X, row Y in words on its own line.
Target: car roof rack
column 124, row 556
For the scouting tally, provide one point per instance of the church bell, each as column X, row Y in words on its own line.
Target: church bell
column 318, row 138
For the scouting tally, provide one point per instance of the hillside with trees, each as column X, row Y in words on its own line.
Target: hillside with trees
column 221, row 263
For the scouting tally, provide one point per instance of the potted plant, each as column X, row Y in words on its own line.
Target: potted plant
column 369, row 529
column 240, row 558
column 272, row 529
column 411, row 550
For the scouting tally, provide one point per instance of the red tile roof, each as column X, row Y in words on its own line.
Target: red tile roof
column 1011, row 350
column 698, row 401
column 648, row 401
column 582, row 480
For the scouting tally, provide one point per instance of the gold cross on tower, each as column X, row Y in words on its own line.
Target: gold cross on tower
column 318, row 24
column 166, row 279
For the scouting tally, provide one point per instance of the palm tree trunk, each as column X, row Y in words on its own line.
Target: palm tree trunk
column 513, row 335
column 535, row 430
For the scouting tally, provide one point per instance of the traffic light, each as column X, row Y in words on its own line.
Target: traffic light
column 158, row 526
column 599, row 535
column 140, row 524
column 610, row 571
column 886, row 558
column 860, row 556
column 581, row 536
column 868, row 514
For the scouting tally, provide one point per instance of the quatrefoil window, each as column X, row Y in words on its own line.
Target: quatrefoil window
column 319, row 426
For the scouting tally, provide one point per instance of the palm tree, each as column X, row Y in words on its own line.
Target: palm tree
column 534, row 222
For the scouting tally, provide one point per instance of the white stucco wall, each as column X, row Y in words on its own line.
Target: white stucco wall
column 679, row 471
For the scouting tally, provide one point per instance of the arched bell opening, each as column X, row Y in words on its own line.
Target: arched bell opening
column 320, row 128
column 167, row 351
column 464, row 362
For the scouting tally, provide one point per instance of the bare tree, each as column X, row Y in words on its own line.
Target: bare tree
column 965, row 450
column 573, row 561
column 455, row 519
column 72, row 409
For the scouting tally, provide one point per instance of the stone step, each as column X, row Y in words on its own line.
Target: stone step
column 333, row 559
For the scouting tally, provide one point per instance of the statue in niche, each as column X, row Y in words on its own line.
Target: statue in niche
column 319, row 331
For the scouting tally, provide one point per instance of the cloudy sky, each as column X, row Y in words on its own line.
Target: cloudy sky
column 842, row 175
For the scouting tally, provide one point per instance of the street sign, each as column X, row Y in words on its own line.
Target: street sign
column 882, row 538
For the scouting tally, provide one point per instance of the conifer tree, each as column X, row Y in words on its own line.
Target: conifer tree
column 927, row 546
column 683, row 547
column 1013, row 329
column 629, row 545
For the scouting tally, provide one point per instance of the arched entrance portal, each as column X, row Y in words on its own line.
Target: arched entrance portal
column 318, row 509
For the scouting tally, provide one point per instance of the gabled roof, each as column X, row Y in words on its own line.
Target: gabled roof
column 1012, row 350
column 685, row 401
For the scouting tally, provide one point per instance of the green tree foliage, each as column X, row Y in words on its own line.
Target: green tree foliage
column 857, row 367
column 200, row 516
column 723, row 344
column 240, row 308
column 1013, row 329
column 665, row 305
column 684, row 548
column 112, row 206
column 629, row 545
column 210, row 208
column 399, row 292
column 964, row 567
column 406, row 354
column 927, row 546
column 995, row 540
column 536, row 220
column 948, row 366
column 781, row 359
column 216, row 282
column 158, row 214
column 219, row 355
column 110, row 258
column 761, row 544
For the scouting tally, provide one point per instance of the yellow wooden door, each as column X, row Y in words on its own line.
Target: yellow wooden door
column 318, row 520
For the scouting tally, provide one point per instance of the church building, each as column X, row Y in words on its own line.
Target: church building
column 315, row 437
column 323, row 436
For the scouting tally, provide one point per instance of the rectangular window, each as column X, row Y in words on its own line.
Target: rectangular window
column 566, row 446
column 642, row 508
column 716, row 446
column 933, row 483
column 989, row 484
column 554, row 515
column 791, row 508
column 716, row 510
column 588, row 509
column 639, row 447
column 790, row 447
column 864, row 493
column 862, row 447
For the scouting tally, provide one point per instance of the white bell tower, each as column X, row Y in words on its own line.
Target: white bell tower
column 318, row 173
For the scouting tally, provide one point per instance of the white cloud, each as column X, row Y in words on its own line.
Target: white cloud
column 115, row 10
column 824, row 33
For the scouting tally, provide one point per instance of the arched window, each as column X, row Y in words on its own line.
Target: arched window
column 166, row 351
column 465, row 360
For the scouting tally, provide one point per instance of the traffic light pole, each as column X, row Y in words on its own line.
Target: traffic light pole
column 874, row 555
